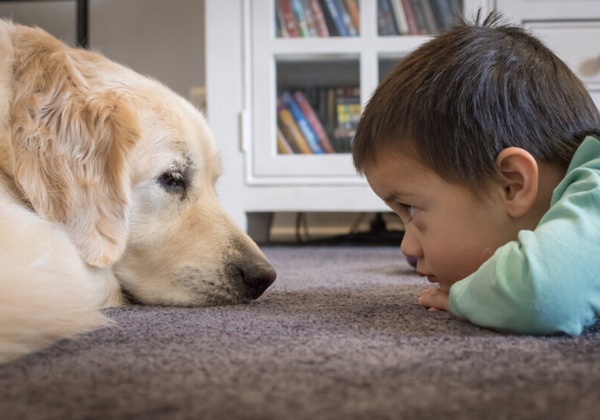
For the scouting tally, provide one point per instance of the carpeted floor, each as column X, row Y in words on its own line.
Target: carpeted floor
column 338, row 336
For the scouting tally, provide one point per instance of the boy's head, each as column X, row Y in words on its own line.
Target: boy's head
column 489, row 113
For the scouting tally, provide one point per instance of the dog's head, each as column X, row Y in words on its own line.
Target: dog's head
column 129, row 169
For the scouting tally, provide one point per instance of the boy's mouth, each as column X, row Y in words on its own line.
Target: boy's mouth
column 430, row 277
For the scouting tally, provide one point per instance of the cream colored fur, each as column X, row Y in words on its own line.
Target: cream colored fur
column 106, row 182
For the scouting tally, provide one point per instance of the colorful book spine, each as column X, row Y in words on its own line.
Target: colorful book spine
column 320, row 22
column 348, row 111
column 354, row 13
column 339, row 4
column 290, row 20
column 413, row 29
column 300, row 20
column 331, row 28
column 310, row 19
column 283, row 147
column 419, row 17
column 302, row 122
column 314, row 122
column 281, row 23
column 287, row 121
column 400, row 17
column 288, row 135
column 385, row 18
column 336, row 17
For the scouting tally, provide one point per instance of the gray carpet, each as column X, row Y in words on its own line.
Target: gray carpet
column 339, row 336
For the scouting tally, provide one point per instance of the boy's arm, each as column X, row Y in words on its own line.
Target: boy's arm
column 548, row 281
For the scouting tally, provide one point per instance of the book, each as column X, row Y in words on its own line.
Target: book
column 400, row 17
column 331, row 28
column 288, row 16
column 354, row 13
column 314, row 122
column 283, row 147
column 309, row 135
column 348, row 110
column 444, row 13
column 344, row 110
column 300, row 20
column 336, row 18
column 331, row 122
column 419, row 17
column 319, row 104
column 322, row 30
column 413, row 29
column 288, row 135
column 385, row 19
column 343, row 11
column 291, row 130
column 429, row 17
column 281, row 24
column 310, row 19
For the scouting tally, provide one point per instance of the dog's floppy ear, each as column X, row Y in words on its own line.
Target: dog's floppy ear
column 71, row 149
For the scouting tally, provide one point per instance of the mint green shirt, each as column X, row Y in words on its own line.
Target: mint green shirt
column 548, row 280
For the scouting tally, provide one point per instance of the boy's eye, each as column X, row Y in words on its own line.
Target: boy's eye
column 410, row 210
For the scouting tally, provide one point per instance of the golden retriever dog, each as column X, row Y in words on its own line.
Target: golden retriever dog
column 107, row 195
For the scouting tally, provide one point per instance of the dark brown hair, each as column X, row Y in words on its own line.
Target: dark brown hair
column 471, row 92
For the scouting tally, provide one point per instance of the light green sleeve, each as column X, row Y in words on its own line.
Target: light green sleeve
column 547, row 281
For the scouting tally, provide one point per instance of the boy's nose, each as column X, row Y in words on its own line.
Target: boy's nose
column 410, row 246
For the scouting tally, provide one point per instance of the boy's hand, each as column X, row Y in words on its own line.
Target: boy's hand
column 435, row 300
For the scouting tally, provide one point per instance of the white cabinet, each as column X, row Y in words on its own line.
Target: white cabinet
column 248, row 65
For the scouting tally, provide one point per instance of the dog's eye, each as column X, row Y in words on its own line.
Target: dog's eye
column 173, row 181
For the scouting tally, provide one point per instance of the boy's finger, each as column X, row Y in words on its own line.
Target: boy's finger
column 425, row 302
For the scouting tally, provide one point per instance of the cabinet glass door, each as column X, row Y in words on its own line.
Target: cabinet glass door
column 306, row 94
column 318, row 104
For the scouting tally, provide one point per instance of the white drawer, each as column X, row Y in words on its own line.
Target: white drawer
column 576, row 43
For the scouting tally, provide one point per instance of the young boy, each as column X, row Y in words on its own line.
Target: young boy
column 481, row 141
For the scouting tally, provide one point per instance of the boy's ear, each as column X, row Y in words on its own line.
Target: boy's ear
column 519, row 175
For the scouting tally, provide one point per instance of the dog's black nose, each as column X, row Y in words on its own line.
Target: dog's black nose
column 258, row 278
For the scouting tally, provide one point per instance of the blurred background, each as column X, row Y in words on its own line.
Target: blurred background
column 283, row 82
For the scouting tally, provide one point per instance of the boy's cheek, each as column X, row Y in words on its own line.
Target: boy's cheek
column 447, row 274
